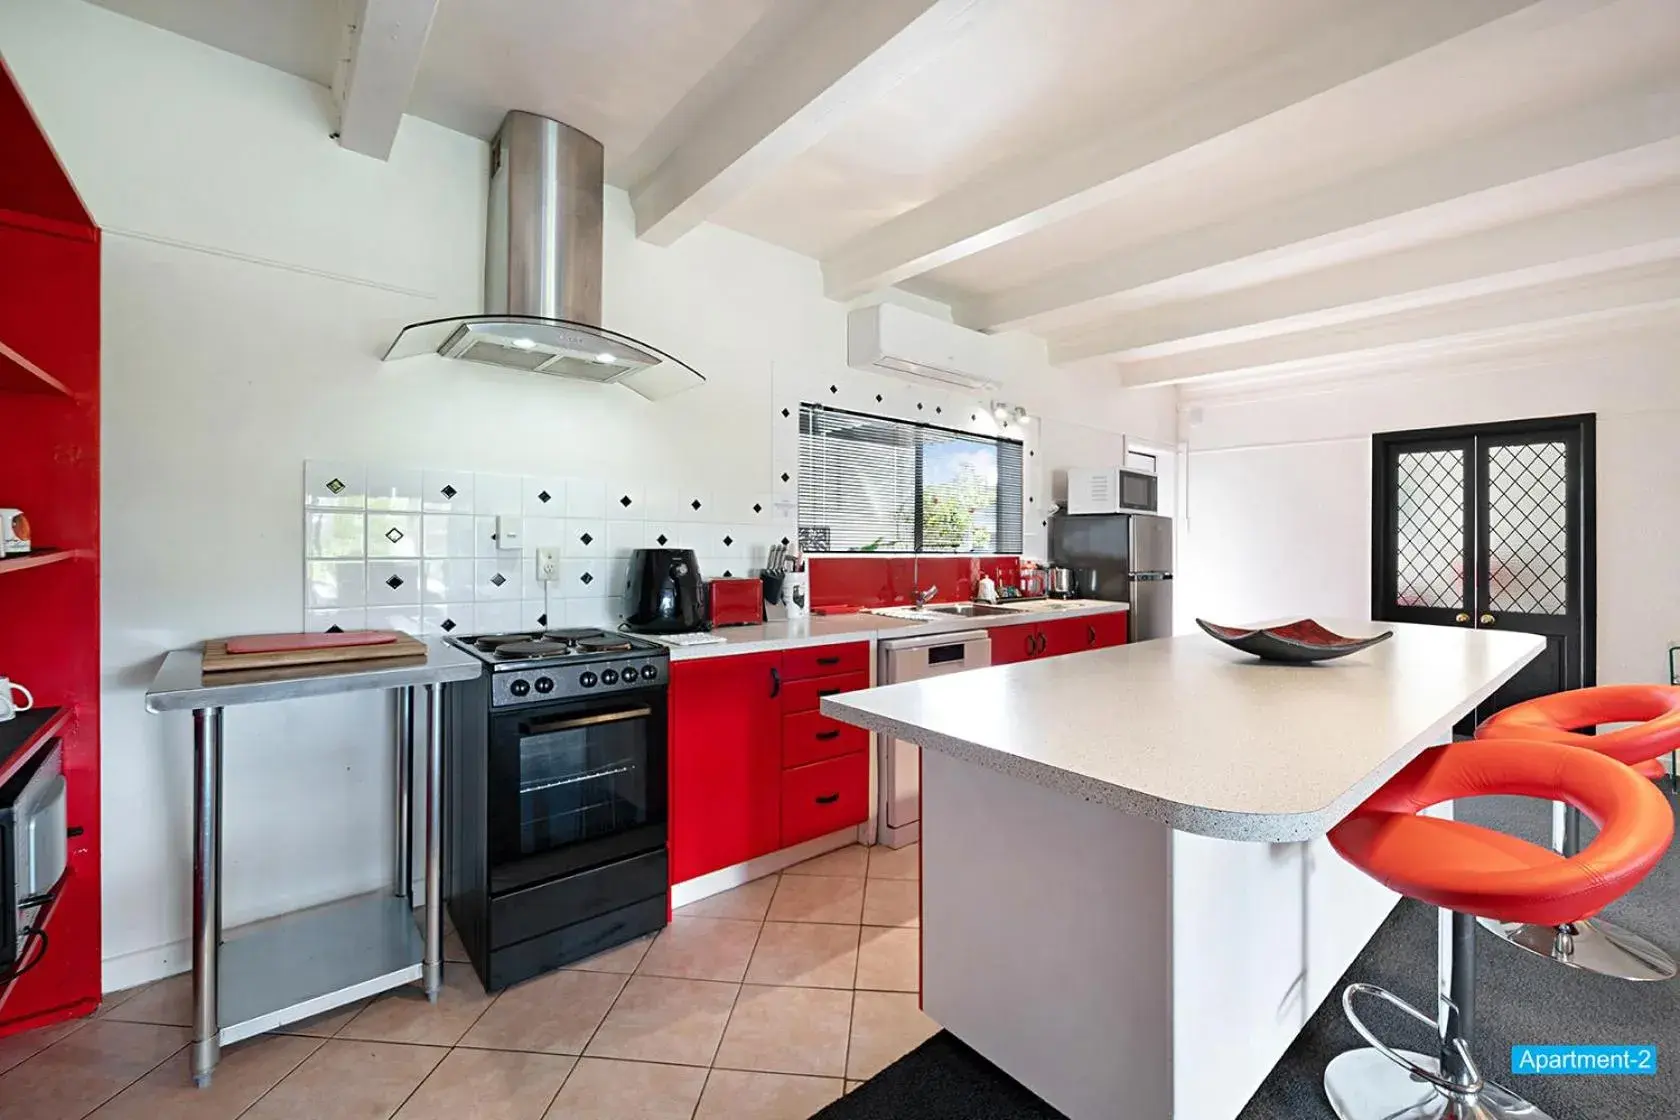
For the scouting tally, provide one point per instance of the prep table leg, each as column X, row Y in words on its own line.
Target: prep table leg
column 433, row 970
column 207, row 889
column 405, row 792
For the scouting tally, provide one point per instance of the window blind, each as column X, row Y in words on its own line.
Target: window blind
column 870, row 484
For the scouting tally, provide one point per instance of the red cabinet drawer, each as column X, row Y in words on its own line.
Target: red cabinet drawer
column 1016, row 642
column 1110, row 628
column 824, row 797
column 803, row 696
column 810, row 737
column 825, row 661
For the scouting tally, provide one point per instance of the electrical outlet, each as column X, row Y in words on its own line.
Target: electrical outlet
column 548, row 564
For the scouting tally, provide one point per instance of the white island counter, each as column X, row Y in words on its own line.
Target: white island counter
column 1128, row 903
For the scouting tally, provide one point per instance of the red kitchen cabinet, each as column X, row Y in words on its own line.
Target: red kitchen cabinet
column 1016, row 642
column 726, row 762
column 1063, row 635
column 824, row 797
column 1109, row 629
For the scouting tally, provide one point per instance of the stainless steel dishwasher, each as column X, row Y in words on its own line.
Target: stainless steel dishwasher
column 914, row 659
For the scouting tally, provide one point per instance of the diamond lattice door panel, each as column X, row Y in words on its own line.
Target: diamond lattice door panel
column 1429, row 543
column 1528, row 528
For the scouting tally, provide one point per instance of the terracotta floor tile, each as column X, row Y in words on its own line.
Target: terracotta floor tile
column 892, row 902
column 805, row 954
column 701, row 949
column 326, row 1024
column 658, row 1019
column 895, row 863
column 890, row 960
column 600, row 1089
column 85, row 1069
column 885, row 1027
column 788, row 1030
column 406, row 1015
column 246, row 1071
column 850, row 1085
column 167, row 1003
column 622, row 959
column 453, row 950
column 488, row 1085
column 749, row 901
column 349, row 1080
column 14, row 1048
column 739, row 1095
column 817, row 898
column 555, row 1014
column 849, row 862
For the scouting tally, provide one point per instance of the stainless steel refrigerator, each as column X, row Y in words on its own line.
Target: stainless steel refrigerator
column 1122, row 557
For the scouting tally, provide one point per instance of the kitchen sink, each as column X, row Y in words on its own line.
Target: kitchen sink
column 968, row 610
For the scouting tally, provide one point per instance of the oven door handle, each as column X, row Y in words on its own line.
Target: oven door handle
column 584, row 721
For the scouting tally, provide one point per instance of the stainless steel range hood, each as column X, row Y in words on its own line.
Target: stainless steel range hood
column 542, row 272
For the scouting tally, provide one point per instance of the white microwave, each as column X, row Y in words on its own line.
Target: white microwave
column 1111, row 490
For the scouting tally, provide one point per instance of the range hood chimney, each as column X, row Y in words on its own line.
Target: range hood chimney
column 542, row 272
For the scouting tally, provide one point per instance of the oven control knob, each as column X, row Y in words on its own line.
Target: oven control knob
column 545, row 685
column 520, row 688
column 649, row 672
column 609, row 676
column 587, row 680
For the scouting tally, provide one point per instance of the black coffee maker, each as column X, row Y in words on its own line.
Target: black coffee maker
column 665, row 593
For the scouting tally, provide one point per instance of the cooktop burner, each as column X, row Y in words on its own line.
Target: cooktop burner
column 539, row 646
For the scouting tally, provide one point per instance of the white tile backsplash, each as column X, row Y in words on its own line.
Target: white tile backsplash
column 319, row 622
column 330, row 535
column 484, row 537
column 332, row 485
column 544, row 495
column 405, row 618
column 586, row 498
column 499, row 580
column 544, row 532
column 584, row 538
column 448, row 581
column 393, row 535
column 625, row 499
column 393, row 583
column 498, row 493
column 394, row 489
column 447, row 491
column 330, row 584
column 499, row 618
column 447, row 534
column 447, row 618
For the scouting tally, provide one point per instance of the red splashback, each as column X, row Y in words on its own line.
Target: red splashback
column 891, row 581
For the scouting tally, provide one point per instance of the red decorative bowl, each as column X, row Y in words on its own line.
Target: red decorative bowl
column 1294, row 642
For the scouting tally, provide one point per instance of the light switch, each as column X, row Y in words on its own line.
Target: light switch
column 510, row 533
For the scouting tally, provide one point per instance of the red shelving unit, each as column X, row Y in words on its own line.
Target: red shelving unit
column 49, row 468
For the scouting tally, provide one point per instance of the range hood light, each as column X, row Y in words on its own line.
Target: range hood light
column 525, row 343
column 604, row 358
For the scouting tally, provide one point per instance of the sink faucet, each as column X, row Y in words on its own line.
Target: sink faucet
column 923, row 598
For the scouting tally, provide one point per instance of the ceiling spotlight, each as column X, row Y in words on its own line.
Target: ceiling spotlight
column 605, row 358
column 524, row 343
column 1001, row 412
column 1021, row 416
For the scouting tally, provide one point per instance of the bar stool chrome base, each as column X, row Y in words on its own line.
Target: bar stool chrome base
column 1365, row 1085
column 1591, row 946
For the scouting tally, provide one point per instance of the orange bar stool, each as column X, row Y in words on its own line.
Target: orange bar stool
column 1472, row 872
column 1654, row 712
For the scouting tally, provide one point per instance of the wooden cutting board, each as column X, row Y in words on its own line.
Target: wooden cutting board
column 217, row 659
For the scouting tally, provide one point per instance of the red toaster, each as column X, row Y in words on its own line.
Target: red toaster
column 735, row 602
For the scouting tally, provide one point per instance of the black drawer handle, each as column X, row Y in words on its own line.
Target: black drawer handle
column 828, row 661
column 1091, row 631
column 830, row 691
column 775, row 684
column 828, row 799
column 825, row 736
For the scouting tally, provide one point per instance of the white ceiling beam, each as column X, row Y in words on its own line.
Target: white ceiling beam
column 1636, row 229
column 1032, row 193
column 1489, row 321
column 384, row 41
column 777, row 95
column 1621, row 143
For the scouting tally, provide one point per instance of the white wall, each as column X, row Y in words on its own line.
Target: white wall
column 1279, row 485
column 253, row 273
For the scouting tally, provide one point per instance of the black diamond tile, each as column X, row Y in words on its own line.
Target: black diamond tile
column 786, row 414
column 727, row 574
column 625, row 501
column 545, row 497
column 542, row 620
column 587, row 578
column 662, row 538
column 833, row 389
column 973, row 417
column 336, row 486
column 587, row 539
column 394, row 582
column 393, row 534
column 757, row 508
column 727, row 541
column 447, row 625
column 497, row 580
column 918, row 406
column 938, row 410
column 449, row 491
column 878, row 398
column 335, row 629
column 695, row 505
column 786, row 541
column 784, row 476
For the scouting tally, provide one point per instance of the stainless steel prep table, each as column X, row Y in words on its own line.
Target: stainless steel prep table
column 318, row 959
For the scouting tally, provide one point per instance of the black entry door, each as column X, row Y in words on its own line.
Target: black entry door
column 1492, row 526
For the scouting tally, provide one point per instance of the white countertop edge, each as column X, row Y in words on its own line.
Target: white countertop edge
column 1202, row 820
column 864, row 626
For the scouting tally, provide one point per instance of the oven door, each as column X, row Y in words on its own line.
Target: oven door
column 574, row 785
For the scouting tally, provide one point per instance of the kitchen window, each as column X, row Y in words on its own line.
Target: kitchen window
column 870, row 484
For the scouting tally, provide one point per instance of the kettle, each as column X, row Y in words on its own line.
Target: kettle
column 664, row 596
column 1061, row 583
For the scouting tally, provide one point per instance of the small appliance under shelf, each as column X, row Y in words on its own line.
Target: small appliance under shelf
column 39, row 557
column 26, row 731
column 20, row 375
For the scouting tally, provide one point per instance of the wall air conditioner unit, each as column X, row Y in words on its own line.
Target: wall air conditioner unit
column 911, row 346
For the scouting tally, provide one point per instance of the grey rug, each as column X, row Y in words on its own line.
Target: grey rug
column 1520, row 999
